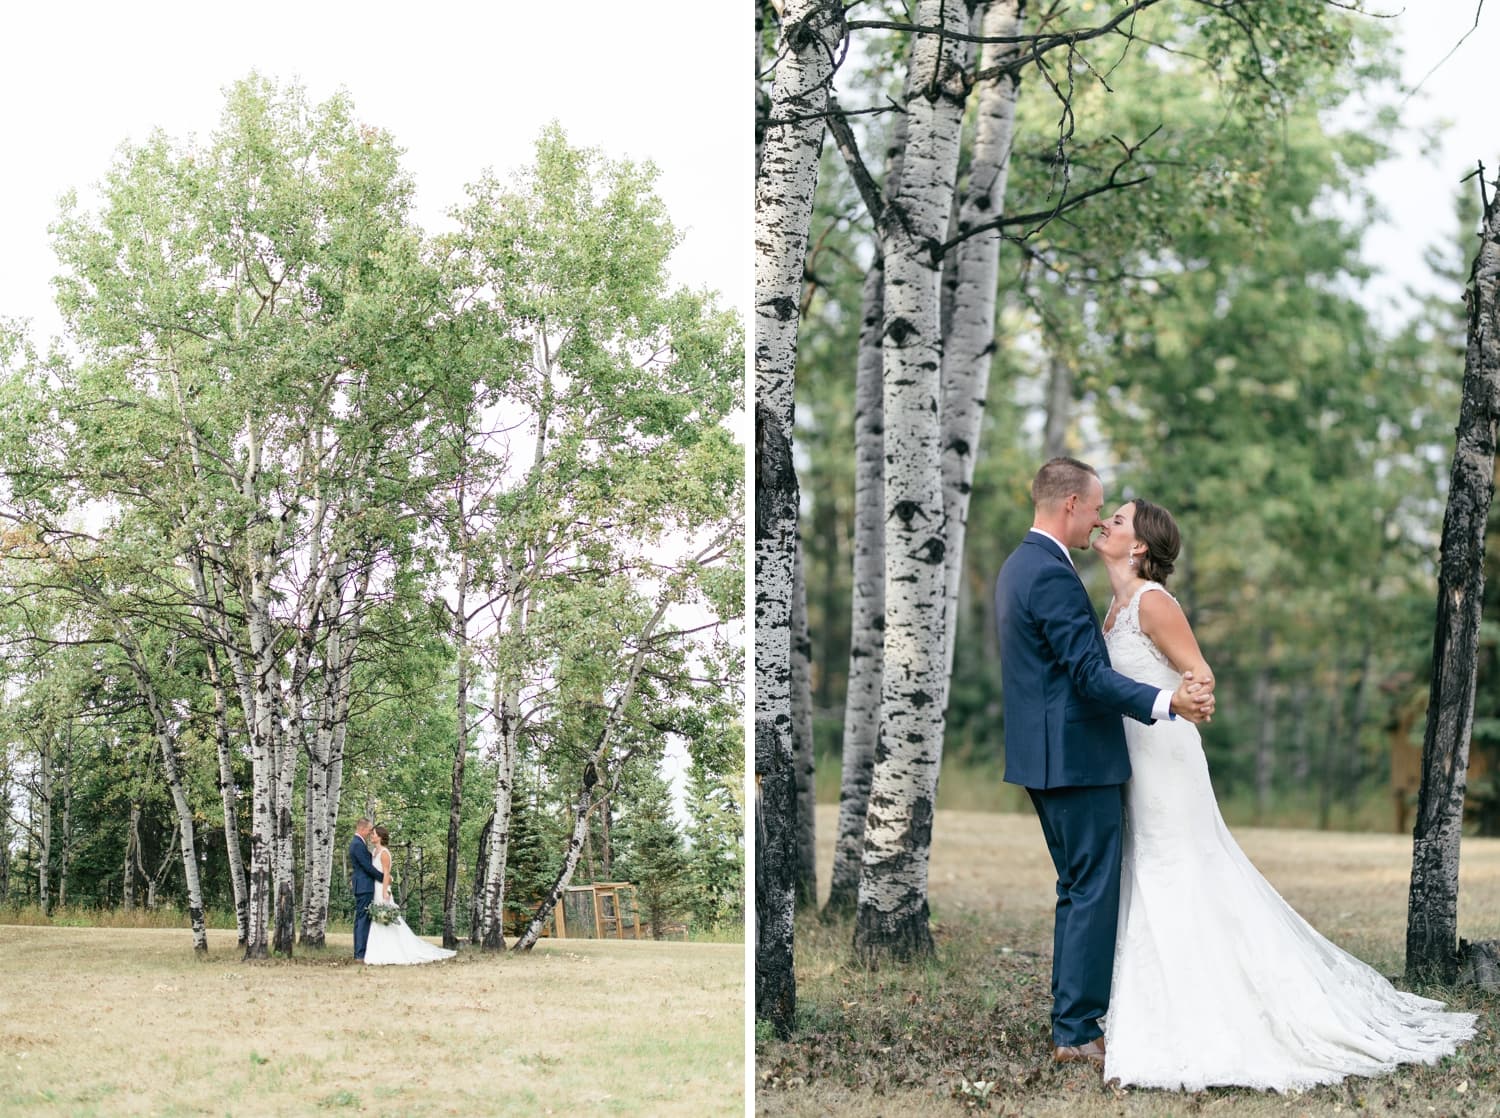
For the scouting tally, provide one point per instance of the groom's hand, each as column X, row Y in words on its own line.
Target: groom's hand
column 1194, row 700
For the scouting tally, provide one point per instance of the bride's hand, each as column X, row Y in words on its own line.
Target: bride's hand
column 1194, row 699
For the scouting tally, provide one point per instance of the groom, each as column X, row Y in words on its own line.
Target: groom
column 365, row 877
column 1065, row 742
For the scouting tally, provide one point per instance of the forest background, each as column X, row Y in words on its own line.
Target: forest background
column 1266, row 336
column 529, row 389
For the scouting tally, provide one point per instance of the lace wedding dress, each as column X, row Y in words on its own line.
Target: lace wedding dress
column 395, row 943
column 1216, row 980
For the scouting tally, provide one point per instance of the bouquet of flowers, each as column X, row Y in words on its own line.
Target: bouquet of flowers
column 384, row 912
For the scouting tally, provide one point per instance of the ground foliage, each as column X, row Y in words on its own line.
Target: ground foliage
column 969, row 1029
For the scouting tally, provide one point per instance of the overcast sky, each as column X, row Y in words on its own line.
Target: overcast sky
column 461, row 86
column 1418, row 186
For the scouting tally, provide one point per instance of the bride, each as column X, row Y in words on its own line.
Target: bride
column 394, row 942
column 1217, row 981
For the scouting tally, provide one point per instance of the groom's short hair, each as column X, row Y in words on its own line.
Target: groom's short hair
column 1059, row 479
column 361, row 823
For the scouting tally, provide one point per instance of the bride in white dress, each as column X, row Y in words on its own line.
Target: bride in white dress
column 1217, row 981
column 395, row 943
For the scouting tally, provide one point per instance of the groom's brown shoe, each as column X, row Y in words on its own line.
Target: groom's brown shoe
column 1093, row 1052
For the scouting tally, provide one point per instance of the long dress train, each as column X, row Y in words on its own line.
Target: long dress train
column 1217, row 980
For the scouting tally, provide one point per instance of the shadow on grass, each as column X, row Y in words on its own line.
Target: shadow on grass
column 969, row 1030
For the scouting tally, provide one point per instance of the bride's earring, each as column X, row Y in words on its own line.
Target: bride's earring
column 1132, row 562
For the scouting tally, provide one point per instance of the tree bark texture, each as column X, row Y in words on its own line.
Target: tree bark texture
column 41, row 821
column 969, row 340
column 867, row 623
column 891, row 919
column 229, row 797
column 461, row 746
column 802, row 740
column 810, row 34
column 1432, row 906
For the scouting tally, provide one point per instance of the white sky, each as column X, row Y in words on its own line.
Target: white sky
column 1418, row 186
column 462, row 86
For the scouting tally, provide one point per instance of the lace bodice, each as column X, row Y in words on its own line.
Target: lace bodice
column 1132, row 652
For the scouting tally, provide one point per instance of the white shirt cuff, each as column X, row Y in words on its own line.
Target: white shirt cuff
column 1161, row 710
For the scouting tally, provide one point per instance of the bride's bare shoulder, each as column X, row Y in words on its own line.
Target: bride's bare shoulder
column 1159, row 609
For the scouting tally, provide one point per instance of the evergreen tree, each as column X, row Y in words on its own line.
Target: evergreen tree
column 650, row 851
column 715, row 889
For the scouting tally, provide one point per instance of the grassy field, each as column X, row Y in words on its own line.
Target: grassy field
column 125, row 1021
column 916, row 1040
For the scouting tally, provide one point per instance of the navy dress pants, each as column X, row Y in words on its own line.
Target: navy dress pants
column 361, row 922
column 1084, row 831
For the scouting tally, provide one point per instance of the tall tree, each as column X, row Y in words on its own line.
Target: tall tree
column 1432, row 906
column 891, row 915
column 785, row 182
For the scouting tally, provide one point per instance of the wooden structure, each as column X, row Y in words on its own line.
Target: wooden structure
column 1406, row 767
column 603, row 910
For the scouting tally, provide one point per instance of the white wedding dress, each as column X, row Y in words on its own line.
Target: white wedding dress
column 1216, row 980
column 397, row 944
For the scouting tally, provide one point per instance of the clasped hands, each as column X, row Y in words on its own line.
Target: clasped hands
column 1194, row 699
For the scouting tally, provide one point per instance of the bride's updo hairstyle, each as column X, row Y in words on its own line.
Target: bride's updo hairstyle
column 1155, row 528
column 385, row 835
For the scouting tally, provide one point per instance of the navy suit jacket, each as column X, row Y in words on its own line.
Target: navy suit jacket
column 365, row 872
column 1063, row 701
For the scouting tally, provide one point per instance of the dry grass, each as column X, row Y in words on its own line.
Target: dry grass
column 126, row 1022
column 907, row 1040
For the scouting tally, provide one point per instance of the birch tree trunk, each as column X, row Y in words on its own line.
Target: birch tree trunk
column 41, row 821
column 810, row 34
column 507, row 733
column 891, row 915
column 345, row 620
column 969, row 344
column 1432, row 908
column 461, row 746
column 476, row 895
column 867, row 622
column 166, row 743
column 132, row 843
column 229, row 796
column 66, row 835
column 806, row 885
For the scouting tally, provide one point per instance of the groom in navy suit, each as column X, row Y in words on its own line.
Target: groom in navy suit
column 365, row 877
column 1065, row 742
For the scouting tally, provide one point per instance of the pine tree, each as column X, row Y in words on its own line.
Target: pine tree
column 716, row 870
column 650, row 850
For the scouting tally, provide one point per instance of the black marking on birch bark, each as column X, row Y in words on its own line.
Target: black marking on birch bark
column 899, row 330
column 775, row 478
column 959, row 447
column 782, row 307
column 919, row 698
column 932, row 551
column 906, row 512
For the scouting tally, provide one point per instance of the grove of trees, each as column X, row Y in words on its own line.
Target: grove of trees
column 313, row 514
column 1126, row 231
